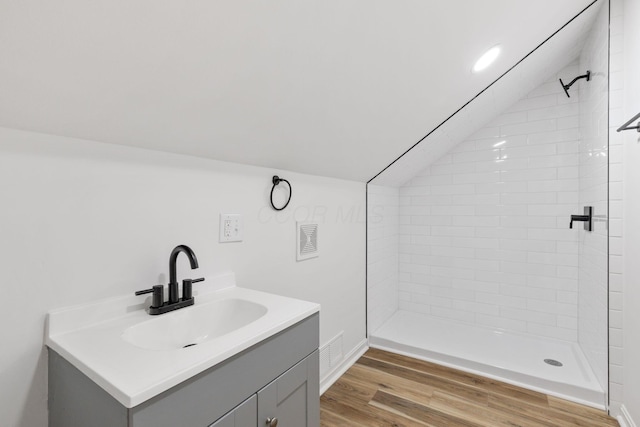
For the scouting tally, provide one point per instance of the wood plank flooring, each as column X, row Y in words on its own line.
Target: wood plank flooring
column 386, row 389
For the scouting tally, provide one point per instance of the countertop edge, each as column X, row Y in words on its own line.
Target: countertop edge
column 132, row 398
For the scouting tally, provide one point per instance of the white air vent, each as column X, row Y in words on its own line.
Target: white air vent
column 307, row 241
column 330, row 355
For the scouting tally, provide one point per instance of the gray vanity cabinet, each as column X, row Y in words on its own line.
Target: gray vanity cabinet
column 276, row 378
column 292, row 398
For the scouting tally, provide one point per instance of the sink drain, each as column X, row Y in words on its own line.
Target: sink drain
column 190, row 345
column 552, row 362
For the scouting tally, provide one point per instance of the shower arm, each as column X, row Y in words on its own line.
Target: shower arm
column 566, row 87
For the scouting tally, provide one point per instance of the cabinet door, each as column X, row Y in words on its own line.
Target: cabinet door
column 244, row 415
column 293, row 398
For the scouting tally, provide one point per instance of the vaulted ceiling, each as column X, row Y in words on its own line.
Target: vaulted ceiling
column 331, row 88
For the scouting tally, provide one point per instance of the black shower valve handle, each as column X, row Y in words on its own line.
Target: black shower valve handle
column 587, row 218
column 578, row 218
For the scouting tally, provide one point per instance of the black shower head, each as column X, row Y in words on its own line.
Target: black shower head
column 566, row 87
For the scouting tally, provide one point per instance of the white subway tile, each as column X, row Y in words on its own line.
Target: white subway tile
column 499, row 255
column 567, row 272
column 448, row 313
column 527, row 221
column 431, row 200
column 556, row 161
column 540, row 174
column 502, row 164
column 501, row 277
column 453, row 210
column 501, row 323
column 568, row 172
column 482, row 234
column 557, row 333
column 501, row 142
column 508, row 118
column 453, row 231
column 570, row 122
column 553, row 112
column 528, row 151
column 528, row 316
column 553, row 137
column 501, row 300
column 502, row 233
column 453, row 189
column 563, row 284
column 476, row 221
column 502, row 187
column 567, row 322
column 528, row 198
column 477, row 178
column 486, row 132
column 553, row 185
column 476, row 156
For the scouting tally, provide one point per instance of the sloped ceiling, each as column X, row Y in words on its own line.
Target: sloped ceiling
column 544, row 62
column 331, row 88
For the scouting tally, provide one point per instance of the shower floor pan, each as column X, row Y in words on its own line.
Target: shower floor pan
column 509, row 357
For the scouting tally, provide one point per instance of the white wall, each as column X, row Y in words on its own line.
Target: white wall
column 484, row 234
column 382, row 254
column 82, row 221
column 593, row 184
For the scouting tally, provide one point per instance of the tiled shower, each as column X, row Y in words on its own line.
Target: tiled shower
column 480, row 236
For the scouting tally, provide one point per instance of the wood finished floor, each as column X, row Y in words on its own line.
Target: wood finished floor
column 386, row 389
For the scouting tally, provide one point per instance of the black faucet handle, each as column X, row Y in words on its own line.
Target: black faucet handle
column 158, row 295
column 187, row 288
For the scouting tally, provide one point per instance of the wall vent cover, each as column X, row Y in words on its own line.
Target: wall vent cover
column 307, row 240
column 331, row 355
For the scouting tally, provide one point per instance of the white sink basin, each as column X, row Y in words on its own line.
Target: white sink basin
column 194, row 325
column 134, row 356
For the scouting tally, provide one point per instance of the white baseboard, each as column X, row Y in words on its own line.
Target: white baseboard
column 346, row 363
column 624, row 419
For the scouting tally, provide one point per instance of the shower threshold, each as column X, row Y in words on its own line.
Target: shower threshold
column 510, row 357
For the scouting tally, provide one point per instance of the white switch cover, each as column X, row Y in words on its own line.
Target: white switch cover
column 230, row 228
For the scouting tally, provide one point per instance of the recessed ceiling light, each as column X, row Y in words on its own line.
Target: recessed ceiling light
column 486, row 59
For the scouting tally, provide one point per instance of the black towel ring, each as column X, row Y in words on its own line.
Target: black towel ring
column 277, row 180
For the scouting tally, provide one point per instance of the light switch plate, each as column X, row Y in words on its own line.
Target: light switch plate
column 230, row 228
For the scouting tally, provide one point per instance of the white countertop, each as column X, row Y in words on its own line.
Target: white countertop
column 90, row 338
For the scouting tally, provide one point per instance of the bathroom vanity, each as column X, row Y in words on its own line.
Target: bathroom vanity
column 262, row 373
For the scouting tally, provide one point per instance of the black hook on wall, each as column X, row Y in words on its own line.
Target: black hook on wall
column 566, row 87
column 277, row 180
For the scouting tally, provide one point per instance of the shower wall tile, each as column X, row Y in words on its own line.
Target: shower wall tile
column 593, row 176
column 383, row 255
column 487, row 237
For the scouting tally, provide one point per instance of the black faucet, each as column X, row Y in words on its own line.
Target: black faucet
column 173, row 281
column 158, row 305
